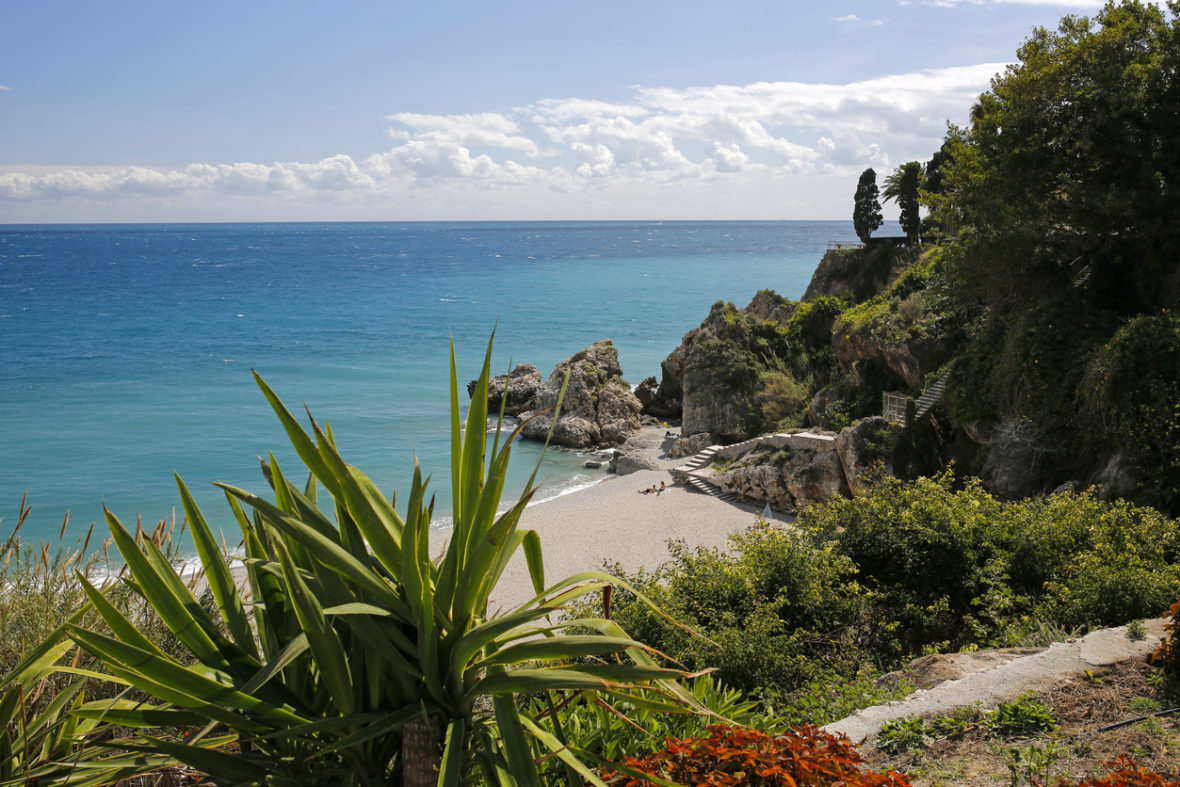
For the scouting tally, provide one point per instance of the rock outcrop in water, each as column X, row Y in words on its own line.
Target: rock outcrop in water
column 519, row 387
column 599, row 408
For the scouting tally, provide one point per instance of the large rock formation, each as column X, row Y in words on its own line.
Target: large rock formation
column 855, row 274
column 864, row 445
column 804, row 471
column 909, row 360
column 599, row 408
column 797, row 470
column 519, row 387
column 711, row 380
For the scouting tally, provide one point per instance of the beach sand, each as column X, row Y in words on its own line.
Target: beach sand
column 611, row 522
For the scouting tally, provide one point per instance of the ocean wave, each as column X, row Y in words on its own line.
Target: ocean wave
column 567, row 487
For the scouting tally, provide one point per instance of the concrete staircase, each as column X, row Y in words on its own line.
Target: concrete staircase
column 931, row 396
column 701, row 483
column 700, row 460
column 690, row 473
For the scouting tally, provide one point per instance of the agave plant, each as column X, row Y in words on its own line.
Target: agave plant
column 55, row 741
column 355, row 657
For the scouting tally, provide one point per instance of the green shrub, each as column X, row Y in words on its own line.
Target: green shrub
column 898, row 736
column 782, row 400
column 770, row 604
column 1093, row 562
column 1131, row 396
column 922, row 547
column 1020, row 719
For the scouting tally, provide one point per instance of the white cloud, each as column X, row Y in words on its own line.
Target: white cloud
column 486, row 129
column 669, row 146
column 5, row 87
column 848, row 18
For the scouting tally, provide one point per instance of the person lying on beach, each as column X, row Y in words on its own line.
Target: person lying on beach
column 660, row 491
column 652, row 491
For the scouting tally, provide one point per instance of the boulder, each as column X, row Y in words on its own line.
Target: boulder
column 519, row 386
column 805, row 470
column 688, row 446
column 599, row 408
column 638, row 452
column 1018, row 461
column 1117, row 477
column 646, row 392
column 863, row 445
column 816, row 414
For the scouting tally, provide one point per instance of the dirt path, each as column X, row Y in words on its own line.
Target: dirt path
column 1004, row 683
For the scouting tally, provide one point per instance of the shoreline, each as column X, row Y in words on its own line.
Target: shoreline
column 610, row 522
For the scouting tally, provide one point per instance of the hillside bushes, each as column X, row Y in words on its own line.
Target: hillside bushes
column 1131, row 395
column 867, row 583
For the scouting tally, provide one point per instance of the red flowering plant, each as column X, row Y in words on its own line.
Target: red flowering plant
column 1126, row 773
column 744, row 757
column 1167, row 655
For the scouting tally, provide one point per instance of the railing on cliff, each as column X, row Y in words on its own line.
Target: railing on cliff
column 893, row 406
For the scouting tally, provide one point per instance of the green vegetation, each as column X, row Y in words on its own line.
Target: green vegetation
column 898, row 736
column 901, row 187
column 1053, row 288
column 865, row 584
column 1020, row 719
column 866, row 210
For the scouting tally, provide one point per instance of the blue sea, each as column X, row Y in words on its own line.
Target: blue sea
column 126, row 350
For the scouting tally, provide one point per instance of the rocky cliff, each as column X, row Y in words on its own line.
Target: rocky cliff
column 599, row 408
column 713, row 378
column 855, row 274
column 515, row 390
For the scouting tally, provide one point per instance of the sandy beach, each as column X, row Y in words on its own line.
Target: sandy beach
column 612, row 522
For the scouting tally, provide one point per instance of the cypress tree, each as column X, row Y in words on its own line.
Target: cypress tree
column 866, row 209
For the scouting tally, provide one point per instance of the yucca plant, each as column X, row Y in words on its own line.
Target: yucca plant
column 53, row 741
column 355, row 657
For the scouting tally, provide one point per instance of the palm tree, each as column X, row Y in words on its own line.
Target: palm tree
column 901, row 186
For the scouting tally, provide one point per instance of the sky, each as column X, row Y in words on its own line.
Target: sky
column 459, row 110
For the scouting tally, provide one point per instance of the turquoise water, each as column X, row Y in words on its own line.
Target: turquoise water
column 125, row 350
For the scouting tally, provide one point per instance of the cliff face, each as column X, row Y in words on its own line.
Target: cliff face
column 853, row 275
column 713, row 378
column 599, row 408
column 515, row 391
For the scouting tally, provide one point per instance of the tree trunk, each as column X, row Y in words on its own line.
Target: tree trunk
column 421, row 752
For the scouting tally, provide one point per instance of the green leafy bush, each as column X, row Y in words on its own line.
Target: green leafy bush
column 923, row 548
column 1091, row 562
column 1020, row 719
column 782, row 400
column 770, row 606
column 1132, row 398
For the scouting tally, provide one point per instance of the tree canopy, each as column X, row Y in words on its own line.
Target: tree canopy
column 866, row 210
column 1069, row 171
column 901, row 186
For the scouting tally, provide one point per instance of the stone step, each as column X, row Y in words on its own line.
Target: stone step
column 932, row 395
